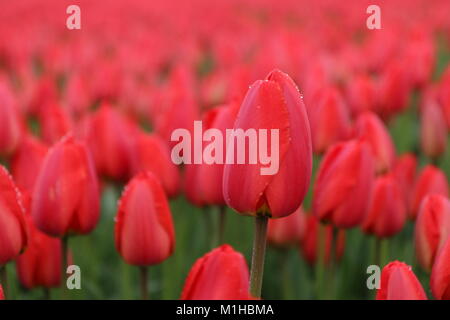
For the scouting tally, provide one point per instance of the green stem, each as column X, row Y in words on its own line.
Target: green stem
column 144, row 282
column 377, row 256
column 222, row 220
column 259, row 250
column 46, row 295
column 286, row 279
column 332, row 266
column 320, row 260
column 4, row 280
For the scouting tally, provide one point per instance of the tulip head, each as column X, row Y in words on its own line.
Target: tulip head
column 433, row 129
column 405, row 173
column 10, row 123
column 440, row 274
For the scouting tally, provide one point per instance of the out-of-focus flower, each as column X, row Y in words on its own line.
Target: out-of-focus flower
column 66, row 194
column 144, row 233
column 398, row 282
column 440, row 274
column 432, row 228
column 274, row 103
column 343, row 184
column 10, row 123
column 54, row 122
column 287, row 231
column 360, row 93
column 430, row 181
column 387, row 210
column 433, row 129
column 221, row 274
column 13, row 233
column 2, row 295
column 405, row 173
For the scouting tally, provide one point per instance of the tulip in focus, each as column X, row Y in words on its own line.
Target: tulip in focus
column 440, row 275
column 398, row 282
column 432, row 228
column 221, row 274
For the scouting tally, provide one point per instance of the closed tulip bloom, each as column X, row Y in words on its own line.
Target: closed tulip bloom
column 370, row 128
column 431, row 180
column 2, row 296
column 433, row 130
column 398, row 282
column 440, row 275
column 66, row 194
column 404, row 170
column 360, row 94
column 287, row 231
column 54, row 122
column 432, row 228
column 153, row 154
column 13, row 233
column 27, row 161
column 144, row 233
column 330, row 120
column 344, row 183
column 10, row 124
column 387, row 210
column 221, row 274
column 40, row 264
column 274, row 103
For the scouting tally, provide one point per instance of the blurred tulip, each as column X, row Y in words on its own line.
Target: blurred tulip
column 431, row 180
column 10, row 124
column 405, row 173
column 66, row 194
column 287, row 231
column 343, row 184
column 2, row 296
column 440, row 275
column 54, row 122
column 398, row 282
column 221, row 274
column 432, row 228
column 274, row 103
column 144, row 233
column 370, row 128
column 27, row 161
column 153, row 154
column 13, row 233
column 387, row 210
column 433, row 130
column 360, row 94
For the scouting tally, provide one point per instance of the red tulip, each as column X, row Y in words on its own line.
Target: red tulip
column 27, row 161
column 13, row 234
column 54, row 122
column 361, row 94
column 153, row 154
column 431, row 180
column 144, row 233
column 2, row 296
column 10, row 124
column 440, row 275
column 387, row 210
column 432, row 228
column 343, row 185
column 66, row 195
column 221, row 274
column 398, row 282
column 405, row 173
column 310, row 242
column 433, row 129
column 329, row 118
column 370, row 128
column 274, row 103
column 287, row 231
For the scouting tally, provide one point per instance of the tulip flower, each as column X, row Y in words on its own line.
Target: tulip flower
column 221, row 274
column 432, row 228
column 13, row 233
column 54, row 122
column 330, row 120
column 398, row 282
column 287, row 231
column 66, row 194
column 27, row 161
column 153, row 154
column 360, row 94
column 370, row 128
column 10, row 123
column 405, row 173
column 387, row 209
column 144, row 233
column 431, row 180
column 440, row 274
column 433, row 130
column 343, row 184
column 2, row 295
column 274, row 103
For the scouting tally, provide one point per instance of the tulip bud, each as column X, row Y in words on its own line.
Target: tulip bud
column 405, row 173
column 221, row 274
column 2, row 296
column 361, row 94
column 27, row 161
column 432, row 228
column 440, row 275
column 153, row 154
column 10, row 124
column 13, row 234
column 344, row 183
column 54, row 122
column 144, row 233
column 274, row 103
column 398, row 282
column 287, row 231
column 433, row 129
column 370, row 128
column 430, row 181
column 66, row 194
column 387, row 210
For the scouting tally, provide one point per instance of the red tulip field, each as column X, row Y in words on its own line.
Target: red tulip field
column 224, row 150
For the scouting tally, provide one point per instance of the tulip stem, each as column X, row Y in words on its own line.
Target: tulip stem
column 144, row 282
column 320, row 260
column 65, row 248
column 259, row 251
column 332, row 267
column 222, row 220
column 4, row 280
column 47, row 295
